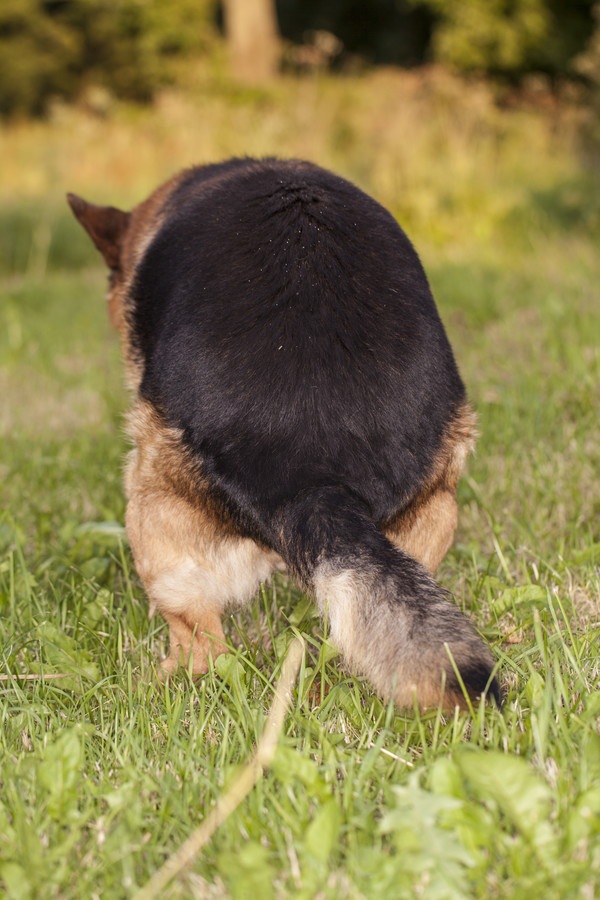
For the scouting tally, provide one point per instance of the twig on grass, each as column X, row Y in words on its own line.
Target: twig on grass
column 40, row 677
column 241, row 786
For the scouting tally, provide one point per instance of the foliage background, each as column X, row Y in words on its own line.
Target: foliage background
column 61, row 49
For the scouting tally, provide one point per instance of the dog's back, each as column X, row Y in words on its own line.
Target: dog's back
column 286, row 338
column 287, row 326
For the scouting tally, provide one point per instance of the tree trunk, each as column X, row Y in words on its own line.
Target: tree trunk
column 253, row 39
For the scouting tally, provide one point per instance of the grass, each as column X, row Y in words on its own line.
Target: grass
column 104, row 773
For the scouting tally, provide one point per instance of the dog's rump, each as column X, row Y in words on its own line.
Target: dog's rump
column 292, row 351
column 298, row 405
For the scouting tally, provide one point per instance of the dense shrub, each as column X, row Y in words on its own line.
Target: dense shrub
column 59, row 47
column 588, row 64
column 131, row 48
column 510, row 37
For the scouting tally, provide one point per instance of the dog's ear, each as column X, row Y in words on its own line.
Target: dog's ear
column 106, row 226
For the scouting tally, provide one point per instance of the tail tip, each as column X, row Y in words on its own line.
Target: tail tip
column 478, row 681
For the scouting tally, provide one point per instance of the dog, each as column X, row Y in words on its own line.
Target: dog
column 297, row 407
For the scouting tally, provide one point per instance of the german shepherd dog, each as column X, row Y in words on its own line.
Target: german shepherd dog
column 297, row 407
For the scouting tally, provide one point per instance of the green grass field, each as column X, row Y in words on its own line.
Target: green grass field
column 105, row 772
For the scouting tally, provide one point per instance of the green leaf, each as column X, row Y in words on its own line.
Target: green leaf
column 415, row 805
column 248, row 872
column 584, row 818
column 10, row 534
column 527, row 595
column 518, row 792
column 445, row 779
column 95, row 568
column 586, row 556
column 291, row 765
column 230, row 669
column 535, row 690
column 327, row 652
column 322, row 834
column 592, row 706
column 64, row 655
column 590, row 763
column 93, row 611
column 59, row 773
column 430, row 847
column 304, row 609
column 104, row 529
column 16, row 880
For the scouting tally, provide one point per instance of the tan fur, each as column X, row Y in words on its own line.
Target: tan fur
column 427, row 533
column 426, row 529
column 191, row 561
column 457, row 442
column 376, row 640
column 191, row 644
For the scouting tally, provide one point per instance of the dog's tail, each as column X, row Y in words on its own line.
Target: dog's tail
column 387, row 616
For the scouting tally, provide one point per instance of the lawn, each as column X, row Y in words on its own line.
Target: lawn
column 105, row 772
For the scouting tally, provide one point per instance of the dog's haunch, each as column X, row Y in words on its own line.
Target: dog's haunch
column 297, row 406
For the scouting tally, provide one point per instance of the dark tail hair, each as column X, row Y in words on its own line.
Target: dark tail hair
column 388, row 617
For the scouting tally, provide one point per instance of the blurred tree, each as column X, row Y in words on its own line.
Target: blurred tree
column 133, row 48
column 61, row 48
column 509, row 37
column 57, row 48
column 490, row 34
column 588, row 64
column 38, row 54
column 253, row 39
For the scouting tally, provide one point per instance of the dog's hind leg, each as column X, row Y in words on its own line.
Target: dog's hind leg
column 192, row 561
column 192, row 643
column 191, row 573
column 427, row 529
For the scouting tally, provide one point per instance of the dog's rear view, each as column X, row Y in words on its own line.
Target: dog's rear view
column 297, row 406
